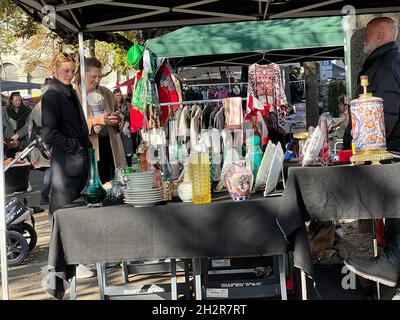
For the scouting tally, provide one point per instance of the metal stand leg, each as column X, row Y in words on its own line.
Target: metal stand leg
column 375, row 244
column 282, row 276
column 303, row 286
column 187, row 279
column 283, row 178
column 101, row 278
column 197, row 277
column 125, row 271
column 72, row 289
column 174, row 288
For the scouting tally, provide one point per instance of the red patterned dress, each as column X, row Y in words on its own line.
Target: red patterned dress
column 266, row 84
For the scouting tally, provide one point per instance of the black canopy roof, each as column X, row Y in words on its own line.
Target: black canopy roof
column 109, row 15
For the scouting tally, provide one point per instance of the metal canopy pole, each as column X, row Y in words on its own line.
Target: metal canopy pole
column 347, row 24
column 3, row 244
column 82, row 66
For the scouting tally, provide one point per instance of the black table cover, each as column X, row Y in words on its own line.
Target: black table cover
column 344, row 192
column 173, row 230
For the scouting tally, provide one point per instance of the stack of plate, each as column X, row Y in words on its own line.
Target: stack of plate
column 140, row 191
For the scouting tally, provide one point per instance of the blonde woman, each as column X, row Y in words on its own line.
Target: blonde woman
column 64, row 129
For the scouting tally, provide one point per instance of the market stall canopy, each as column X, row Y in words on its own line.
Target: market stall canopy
column 110, row 15
column 242, row 43
column 15, row 85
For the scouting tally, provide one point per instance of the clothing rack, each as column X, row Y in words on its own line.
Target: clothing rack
column 214, row 84
column 197, row 101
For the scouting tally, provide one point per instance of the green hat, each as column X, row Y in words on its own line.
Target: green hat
column 134, row 55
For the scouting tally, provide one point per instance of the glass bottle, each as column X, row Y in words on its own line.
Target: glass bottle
column 199, row 170
column 254, row 154
column 94, row 193
column 116, row 194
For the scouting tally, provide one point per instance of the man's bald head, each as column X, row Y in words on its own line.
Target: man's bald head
column 380, row 31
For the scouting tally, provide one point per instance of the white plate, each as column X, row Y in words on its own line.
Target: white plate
column 141, row 175
column 150, row 190
column 143, row 204
column 275, row 170
column 264, row 166
column 132, row 183
column 143, row 201
column 140, row 195
column 141, row 185
column 141, row 198
column 141, row 181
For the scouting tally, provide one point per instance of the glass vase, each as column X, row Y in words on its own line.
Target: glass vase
column 94, row 193
column 199, row 170
column 254, row 154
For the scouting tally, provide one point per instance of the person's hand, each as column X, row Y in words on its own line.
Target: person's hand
column 111, row 120
column 15, row 137
column 97, row 128
column 126, row 129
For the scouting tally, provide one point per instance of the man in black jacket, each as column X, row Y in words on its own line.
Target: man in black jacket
column 383, row 69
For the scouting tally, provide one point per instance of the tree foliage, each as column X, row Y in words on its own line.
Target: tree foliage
column 114, row 55
column 40, row 43
column 14, row 25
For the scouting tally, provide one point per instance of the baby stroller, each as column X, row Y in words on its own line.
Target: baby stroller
column 21, row 235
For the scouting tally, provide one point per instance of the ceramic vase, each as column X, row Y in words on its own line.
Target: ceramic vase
column 94, row 193
column 239, row 180
column 368, row 124
column 185, row 187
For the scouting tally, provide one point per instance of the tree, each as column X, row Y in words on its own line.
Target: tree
column 14, row 24
column 114, row 55
column 41, row 43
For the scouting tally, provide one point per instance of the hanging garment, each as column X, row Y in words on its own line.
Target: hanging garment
column 178, row 86
column 195, row 128
column 166, row 91
column 205, row 119
column 219, row 120
column 180, row 148
column 193, row 110
column 265, row 83
column 172, row 140
column 135, row 114
column 222, row 93
column 216, row 158
column 182, row 125
column 144, row 93
column 233, row 112
column 212, row 116
column 262, row 127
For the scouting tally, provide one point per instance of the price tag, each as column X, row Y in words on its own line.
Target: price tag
column 217, row 263
column 216, row 293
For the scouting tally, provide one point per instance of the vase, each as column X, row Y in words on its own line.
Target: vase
column 254, row 154
column 94, row 193
column 185, row 187
column 239, row 180
column 368, row 125
column 116, row 194
column 199, row 169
